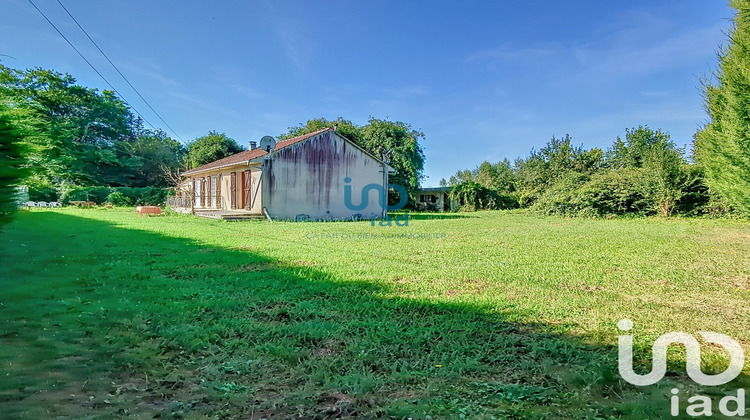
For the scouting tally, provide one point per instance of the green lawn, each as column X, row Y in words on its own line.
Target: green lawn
column 496, row 315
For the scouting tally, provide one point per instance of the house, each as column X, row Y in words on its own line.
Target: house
column 433, row 199
column 305, row 177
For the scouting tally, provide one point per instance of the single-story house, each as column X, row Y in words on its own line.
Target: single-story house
column 301, row 178
column 433, row 199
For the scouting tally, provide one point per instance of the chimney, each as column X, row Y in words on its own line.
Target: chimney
column 253, row 145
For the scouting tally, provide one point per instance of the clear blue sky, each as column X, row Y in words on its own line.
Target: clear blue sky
column 483, row 80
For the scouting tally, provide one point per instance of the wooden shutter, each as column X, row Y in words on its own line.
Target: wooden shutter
column 203, row 192
column 218, row 191
column 233, row 193
column 248, row 195
column 195, row 192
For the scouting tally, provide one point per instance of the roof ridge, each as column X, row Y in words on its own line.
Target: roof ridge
column 249, row 154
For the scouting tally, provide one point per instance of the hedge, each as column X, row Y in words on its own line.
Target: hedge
column 149, row 196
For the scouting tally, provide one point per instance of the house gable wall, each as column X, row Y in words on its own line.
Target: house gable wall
column 309, row 178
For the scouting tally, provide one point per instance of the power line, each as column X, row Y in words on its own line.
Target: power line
column 90, row 65
column 118, row 71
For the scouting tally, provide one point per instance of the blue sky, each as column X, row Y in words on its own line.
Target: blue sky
column 482, row 80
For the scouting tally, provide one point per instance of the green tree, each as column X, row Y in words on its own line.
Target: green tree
column 158, row 156
column 407, row 156
column 211, row 147
column 663, row 173
column 11, row 160
column 461, row 176
column 344, row 127
column 81, row 130
column 722, row 147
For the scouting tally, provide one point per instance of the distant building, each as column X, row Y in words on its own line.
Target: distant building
column 302, row 177
column 433, row 199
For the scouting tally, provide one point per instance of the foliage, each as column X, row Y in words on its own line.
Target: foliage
column 407, row 156
column 80, row 136
column 499, row 176
column 11, row 161
column 153, row 196
column 722, row 147
column 344, row 127
column 470, row 196
column 644, row 174
column 82, row 131
column 211, row 147
column 157, row 155
column 117, row 198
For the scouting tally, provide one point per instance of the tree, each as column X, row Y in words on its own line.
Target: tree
column 471, row 196
column 662, row 170
column 211, row 147
column 158, row 155
column 81, row 130
column 407, row 156
column 722, row 147
column 461, row 176
column 10, row 164
column 344, row 127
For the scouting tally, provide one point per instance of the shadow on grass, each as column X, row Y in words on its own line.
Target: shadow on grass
column 104, row 321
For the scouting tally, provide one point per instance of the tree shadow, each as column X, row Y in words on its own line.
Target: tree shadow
column 102, row 320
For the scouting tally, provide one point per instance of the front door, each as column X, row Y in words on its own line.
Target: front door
column 247, row 190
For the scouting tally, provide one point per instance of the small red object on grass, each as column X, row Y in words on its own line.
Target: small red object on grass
column 141, row 210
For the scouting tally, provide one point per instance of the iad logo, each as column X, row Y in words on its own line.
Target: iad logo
column 703, row 404
column 382, row 200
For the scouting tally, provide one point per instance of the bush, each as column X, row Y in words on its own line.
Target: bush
column 144, row 196
column 95, row 194
column 118, row 199
column 470, row 196
column 618, row 191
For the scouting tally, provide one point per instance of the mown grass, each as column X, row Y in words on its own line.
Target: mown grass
column 497, row 315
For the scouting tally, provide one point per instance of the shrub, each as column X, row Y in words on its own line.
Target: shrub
column 470, row 196
column 118, row 199
column 149, row 196
column 95, row 194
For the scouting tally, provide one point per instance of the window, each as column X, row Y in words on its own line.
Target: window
column 428, row 198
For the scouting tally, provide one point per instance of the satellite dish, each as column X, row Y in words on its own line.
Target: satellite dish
column 267, row 143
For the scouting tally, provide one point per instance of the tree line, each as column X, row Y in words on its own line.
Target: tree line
column 645, row 173
column 63, row 140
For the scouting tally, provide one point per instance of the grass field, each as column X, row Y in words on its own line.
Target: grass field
column 494, row 315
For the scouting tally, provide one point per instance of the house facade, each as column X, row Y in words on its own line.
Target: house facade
column 305, row 177
column 433, row 199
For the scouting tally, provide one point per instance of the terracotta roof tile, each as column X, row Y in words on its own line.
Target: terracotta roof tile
column 246, row 155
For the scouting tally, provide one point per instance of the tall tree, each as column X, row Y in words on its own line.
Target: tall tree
column 10, row 164
column 82, row 128
column 722, row 147
column 344, row 127
column 211, row 147
column 407, row 156
column 158, row 156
